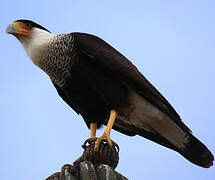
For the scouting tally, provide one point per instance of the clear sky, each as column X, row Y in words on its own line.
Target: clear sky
column 171, row 42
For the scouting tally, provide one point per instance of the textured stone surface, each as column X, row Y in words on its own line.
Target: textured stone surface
column 86, row 171
column 92, row 165
column 55, row 176
column 105, row 172
column 69, row 172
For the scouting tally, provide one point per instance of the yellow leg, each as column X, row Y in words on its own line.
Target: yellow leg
column 106, row 133
column 92, row 138
column 111, row 121
column 93, row 127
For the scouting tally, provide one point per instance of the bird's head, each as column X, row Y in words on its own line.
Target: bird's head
column 24, row 29
column 32, row 36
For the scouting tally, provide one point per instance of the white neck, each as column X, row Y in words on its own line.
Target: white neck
column 36, row 45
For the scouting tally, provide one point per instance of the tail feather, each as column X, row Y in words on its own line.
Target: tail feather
column 197, row 153
column 194, row 151
column 140, row 117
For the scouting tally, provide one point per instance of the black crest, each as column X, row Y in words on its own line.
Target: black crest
column 31, row 24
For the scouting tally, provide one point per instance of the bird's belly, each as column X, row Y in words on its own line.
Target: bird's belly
column 93, row 94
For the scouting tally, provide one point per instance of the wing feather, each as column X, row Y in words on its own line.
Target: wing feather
column 111, row 60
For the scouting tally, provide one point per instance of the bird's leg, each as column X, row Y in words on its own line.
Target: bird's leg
column 93, row 127
column 106, row 133
column 92, row 138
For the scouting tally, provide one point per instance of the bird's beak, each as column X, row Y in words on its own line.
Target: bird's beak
column 18, row 29
column 10, row 29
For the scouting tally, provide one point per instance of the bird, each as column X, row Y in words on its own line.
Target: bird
column 106, row 88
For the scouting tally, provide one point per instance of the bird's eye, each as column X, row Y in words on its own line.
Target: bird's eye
column 28, row 25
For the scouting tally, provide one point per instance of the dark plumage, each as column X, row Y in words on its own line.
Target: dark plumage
column 32, row 24
column 93, row 78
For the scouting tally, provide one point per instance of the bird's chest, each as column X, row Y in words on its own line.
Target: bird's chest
column 57, row 66
column 58, row 60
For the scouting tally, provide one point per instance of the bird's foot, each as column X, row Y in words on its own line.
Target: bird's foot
column 90, row 141
column 103, row 138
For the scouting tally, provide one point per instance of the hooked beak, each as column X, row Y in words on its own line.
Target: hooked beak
column 18, row 29
column 10, row 29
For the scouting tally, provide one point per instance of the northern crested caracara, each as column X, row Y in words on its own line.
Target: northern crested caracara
column 105, row 88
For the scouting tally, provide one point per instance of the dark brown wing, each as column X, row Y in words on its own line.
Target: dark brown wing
column 111, row 60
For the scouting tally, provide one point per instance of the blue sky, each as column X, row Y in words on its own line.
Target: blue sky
column 171, row 42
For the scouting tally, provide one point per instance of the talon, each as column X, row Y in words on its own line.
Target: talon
column 98, row 140
column 106, row 138
column 89, row 141
column 97, row 143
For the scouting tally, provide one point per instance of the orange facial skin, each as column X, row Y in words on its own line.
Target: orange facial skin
column 19, row 30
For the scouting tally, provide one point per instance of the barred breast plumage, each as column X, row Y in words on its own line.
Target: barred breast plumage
column 59, row 58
